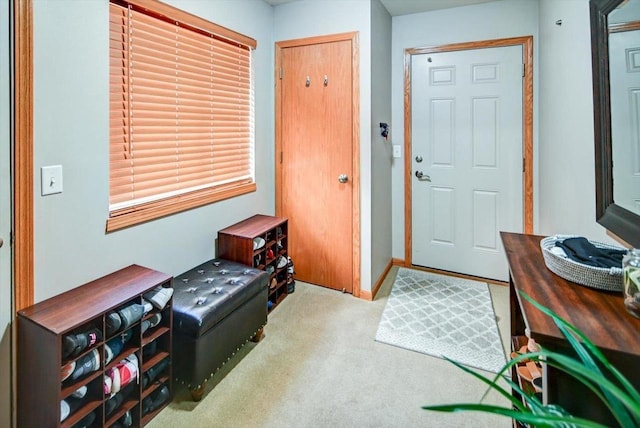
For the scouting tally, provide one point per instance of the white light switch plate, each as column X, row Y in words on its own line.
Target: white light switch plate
column 397, row 151
column 51, row 179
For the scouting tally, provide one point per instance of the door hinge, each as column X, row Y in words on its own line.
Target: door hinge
column 524, row 163
column 523, row 70
column 280, row 73
column 280, row 157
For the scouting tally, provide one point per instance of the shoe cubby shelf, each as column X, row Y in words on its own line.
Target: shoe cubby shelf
column 260, row 241
column 517, row 343
column 100, row 354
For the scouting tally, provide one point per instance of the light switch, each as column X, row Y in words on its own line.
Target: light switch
column 51, row 179
column 397, row 151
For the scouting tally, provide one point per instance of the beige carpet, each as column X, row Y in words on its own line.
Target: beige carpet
column 319, row 366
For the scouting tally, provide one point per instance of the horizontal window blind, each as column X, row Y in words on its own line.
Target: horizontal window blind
column 181, row 111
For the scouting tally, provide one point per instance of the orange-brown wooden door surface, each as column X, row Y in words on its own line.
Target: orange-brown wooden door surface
column 316, row 145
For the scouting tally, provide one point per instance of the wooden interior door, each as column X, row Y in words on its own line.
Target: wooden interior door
column 315, row 159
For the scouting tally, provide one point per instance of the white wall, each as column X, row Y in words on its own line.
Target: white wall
column 567, row 175
column 381, row 160
column 71, row 126
column 486, row 21
column 5, row 222
column 309, row 18
column 71, row 113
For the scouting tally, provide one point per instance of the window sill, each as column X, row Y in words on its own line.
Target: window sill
column 142, row 213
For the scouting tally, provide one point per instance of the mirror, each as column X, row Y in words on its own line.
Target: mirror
column 624, row 87
column 616, row 120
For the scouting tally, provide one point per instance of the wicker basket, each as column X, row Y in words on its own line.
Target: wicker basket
column 590, row 276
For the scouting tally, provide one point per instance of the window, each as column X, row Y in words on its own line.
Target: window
column 181, row 112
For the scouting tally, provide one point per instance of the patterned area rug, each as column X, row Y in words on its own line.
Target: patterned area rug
column 442, row 316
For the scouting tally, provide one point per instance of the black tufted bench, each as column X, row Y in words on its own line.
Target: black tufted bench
column 217, row 308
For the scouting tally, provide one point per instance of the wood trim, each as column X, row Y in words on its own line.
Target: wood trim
column 278, row 127
column 355, row 181
column 482, row 44
column 23, row 271
column 408, row 225
column 460, row 275
column 367, row 295
column 316, row 40
column 175, row 205
column 625, row 26
column 527, row 124
column 371, row 295
column 156, row 7
column 355, row 158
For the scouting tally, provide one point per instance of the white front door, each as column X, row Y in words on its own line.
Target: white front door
column 466, row 116
column 624, row 59
column 6, row 297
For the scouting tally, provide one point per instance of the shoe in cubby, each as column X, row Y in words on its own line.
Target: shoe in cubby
column 156, row 399
column 73, row 344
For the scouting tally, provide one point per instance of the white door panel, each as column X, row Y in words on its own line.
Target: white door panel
column 624, row 57
column 467, row 129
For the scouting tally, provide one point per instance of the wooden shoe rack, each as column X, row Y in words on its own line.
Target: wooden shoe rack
column 600, row 315
column 236, row 243
column 41, row 331
column 517, row 343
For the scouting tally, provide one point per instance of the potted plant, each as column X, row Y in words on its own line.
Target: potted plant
column 591, row 368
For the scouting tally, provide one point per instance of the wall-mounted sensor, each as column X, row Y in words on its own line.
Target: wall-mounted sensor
column 384, row 130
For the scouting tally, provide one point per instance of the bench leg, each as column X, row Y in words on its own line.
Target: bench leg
column 258, row 336
column 196, row 393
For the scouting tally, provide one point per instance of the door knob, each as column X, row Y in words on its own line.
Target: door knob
column 1, row 242
column 422, row 176
column 343, row 178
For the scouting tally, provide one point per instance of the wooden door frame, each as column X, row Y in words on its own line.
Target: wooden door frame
column 355, row 133
column 22, row 241
column 527, row 126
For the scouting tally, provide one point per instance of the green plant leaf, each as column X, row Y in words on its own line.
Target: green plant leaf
column 591, row 369
column 631, row 390
column 598, row 383
column 621, row 406
column 531, row 400
column 493, row 385
column 538, row 420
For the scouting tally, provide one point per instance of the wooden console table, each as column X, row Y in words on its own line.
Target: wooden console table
column 600, row 315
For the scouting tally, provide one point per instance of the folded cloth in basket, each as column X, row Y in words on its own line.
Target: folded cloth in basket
column 580, row 250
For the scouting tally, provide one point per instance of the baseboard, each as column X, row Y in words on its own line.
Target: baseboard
column 366, row 295
column 461, row 275
column 370, row 295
